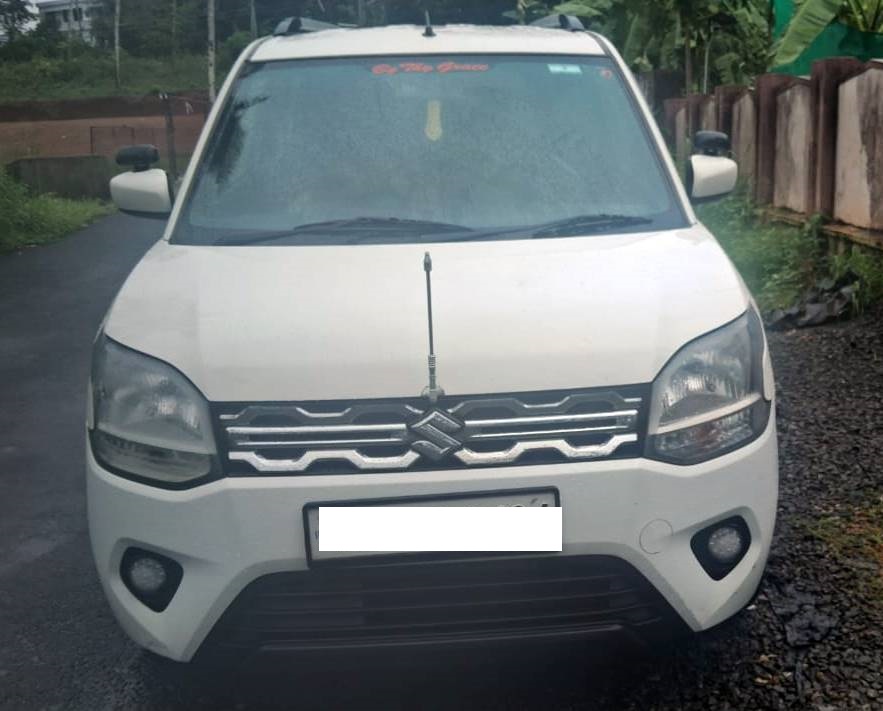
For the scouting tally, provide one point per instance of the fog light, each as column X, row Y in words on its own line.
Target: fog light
column 151, row 577
column 147, row 575
column 720, row 547
column 725, row 544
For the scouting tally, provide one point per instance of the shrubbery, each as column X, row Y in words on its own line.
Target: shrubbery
column 91, row 73
column 28, row 219
column 780, row 262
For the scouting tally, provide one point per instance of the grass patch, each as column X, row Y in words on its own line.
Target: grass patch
column 857, row 536
column 35, row 219
column 91, row 74
column 780, row 262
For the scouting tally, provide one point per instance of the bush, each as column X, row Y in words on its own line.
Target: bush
column 92, row 73
column 231, row 48
column 778, row 262
column 27, row 220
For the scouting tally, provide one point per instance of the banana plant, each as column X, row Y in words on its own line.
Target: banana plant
column 814, row 16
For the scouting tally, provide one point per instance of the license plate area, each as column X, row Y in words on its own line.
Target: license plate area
column 539, row 498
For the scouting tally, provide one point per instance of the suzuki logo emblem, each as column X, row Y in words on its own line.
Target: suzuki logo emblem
column 436, row 432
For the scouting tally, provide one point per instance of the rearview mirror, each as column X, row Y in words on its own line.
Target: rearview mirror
column 710, row 173
column 144, row 190
column 711, row 177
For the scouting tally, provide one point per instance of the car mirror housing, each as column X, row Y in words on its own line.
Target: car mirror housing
column 710, row 177
column 143, row 190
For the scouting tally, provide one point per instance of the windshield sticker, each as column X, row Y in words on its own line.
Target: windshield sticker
column 565, row 69
column 434, row 130
column 421, row 68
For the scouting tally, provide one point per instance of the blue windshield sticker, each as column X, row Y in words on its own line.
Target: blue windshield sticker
column 565, row 69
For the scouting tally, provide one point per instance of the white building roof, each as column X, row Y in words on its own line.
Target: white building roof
column 44, row 5
column 409, row 40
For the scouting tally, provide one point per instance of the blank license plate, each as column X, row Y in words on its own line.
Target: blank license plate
column 521, row 521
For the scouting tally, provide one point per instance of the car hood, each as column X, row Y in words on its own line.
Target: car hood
column 276, row 323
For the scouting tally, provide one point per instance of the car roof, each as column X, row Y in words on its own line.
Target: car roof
column 410, row 40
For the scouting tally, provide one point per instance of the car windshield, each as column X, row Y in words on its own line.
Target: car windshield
column 340, row 151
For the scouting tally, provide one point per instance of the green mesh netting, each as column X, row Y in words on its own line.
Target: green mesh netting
column 838, row 40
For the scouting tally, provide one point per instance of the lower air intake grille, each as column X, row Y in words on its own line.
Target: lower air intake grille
column 388, row 605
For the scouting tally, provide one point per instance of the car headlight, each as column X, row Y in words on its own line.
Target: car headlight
column 709, row 398
column 146, row 420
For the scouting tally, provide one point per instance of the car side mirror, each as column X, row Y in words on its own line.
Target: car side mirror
column 143, row 191
column 710, row 173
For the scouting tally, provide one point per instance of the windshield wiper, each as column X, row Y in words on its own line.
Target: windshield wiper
column 360, row 226
column 587, row 224
column 568, row 227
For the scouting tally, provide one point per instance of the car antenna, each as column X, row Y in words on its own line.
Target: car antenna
column 433, row 392
column 428, row 32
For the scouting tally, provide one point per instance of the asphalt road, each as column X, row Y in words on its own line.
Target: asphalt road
column 807, row 642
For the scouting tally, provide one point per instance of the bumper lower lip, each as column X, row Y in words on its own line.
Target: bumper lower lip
column 230, row 533
column 462, row 603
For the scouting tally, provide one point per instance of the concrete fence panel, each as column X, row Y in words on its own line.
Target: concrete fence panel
column 745, row 135
column 708, row 114
column 768, row 88
column 794, row 169
column 827, row 76
column 725, row 97
column 680, row 138
column 670, row 108
column 858, row 196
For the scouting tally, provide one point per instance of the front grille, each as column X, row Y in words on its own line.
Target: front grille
column 394, row 435
column 363, row 606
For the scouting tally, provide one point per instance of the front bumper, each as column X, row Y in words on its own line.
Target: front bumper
column 233, row 532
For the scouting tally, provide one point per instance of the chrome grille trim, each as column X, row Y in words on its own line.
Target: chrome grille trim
column 279, row 466
column 467, row 456
column 459, row 431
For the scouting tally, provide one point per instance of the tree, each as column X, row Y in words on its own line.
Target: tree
column 211, row 50
column 672, row 34
column 815, row 15
column 14, row 15
column 116, row 39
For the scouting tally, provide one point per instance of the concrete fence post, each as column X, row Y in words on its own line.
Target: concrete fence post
column 794, row 170
column 725, row 97
column 827, row 75
column 708, row 114
column 858, row 197
column 670, row 108
column 694, row 107
column 768, row 87
column 744, row 128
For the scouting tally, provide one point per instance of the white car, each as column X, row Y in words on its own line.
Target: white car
column 428, row 267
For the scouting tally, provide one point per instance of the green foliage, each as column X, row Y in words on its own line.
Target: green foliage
column 867, row 266
column 91, row 73
column 14, row 15
column 657, row 35
column 231, row 48
column 26, row 219
column 813, row 16
column 780, row 262
column 777, row 262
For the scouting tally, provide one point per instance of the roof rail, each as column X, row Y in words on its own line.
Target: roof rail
column 571, row 23
column 298, row 25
